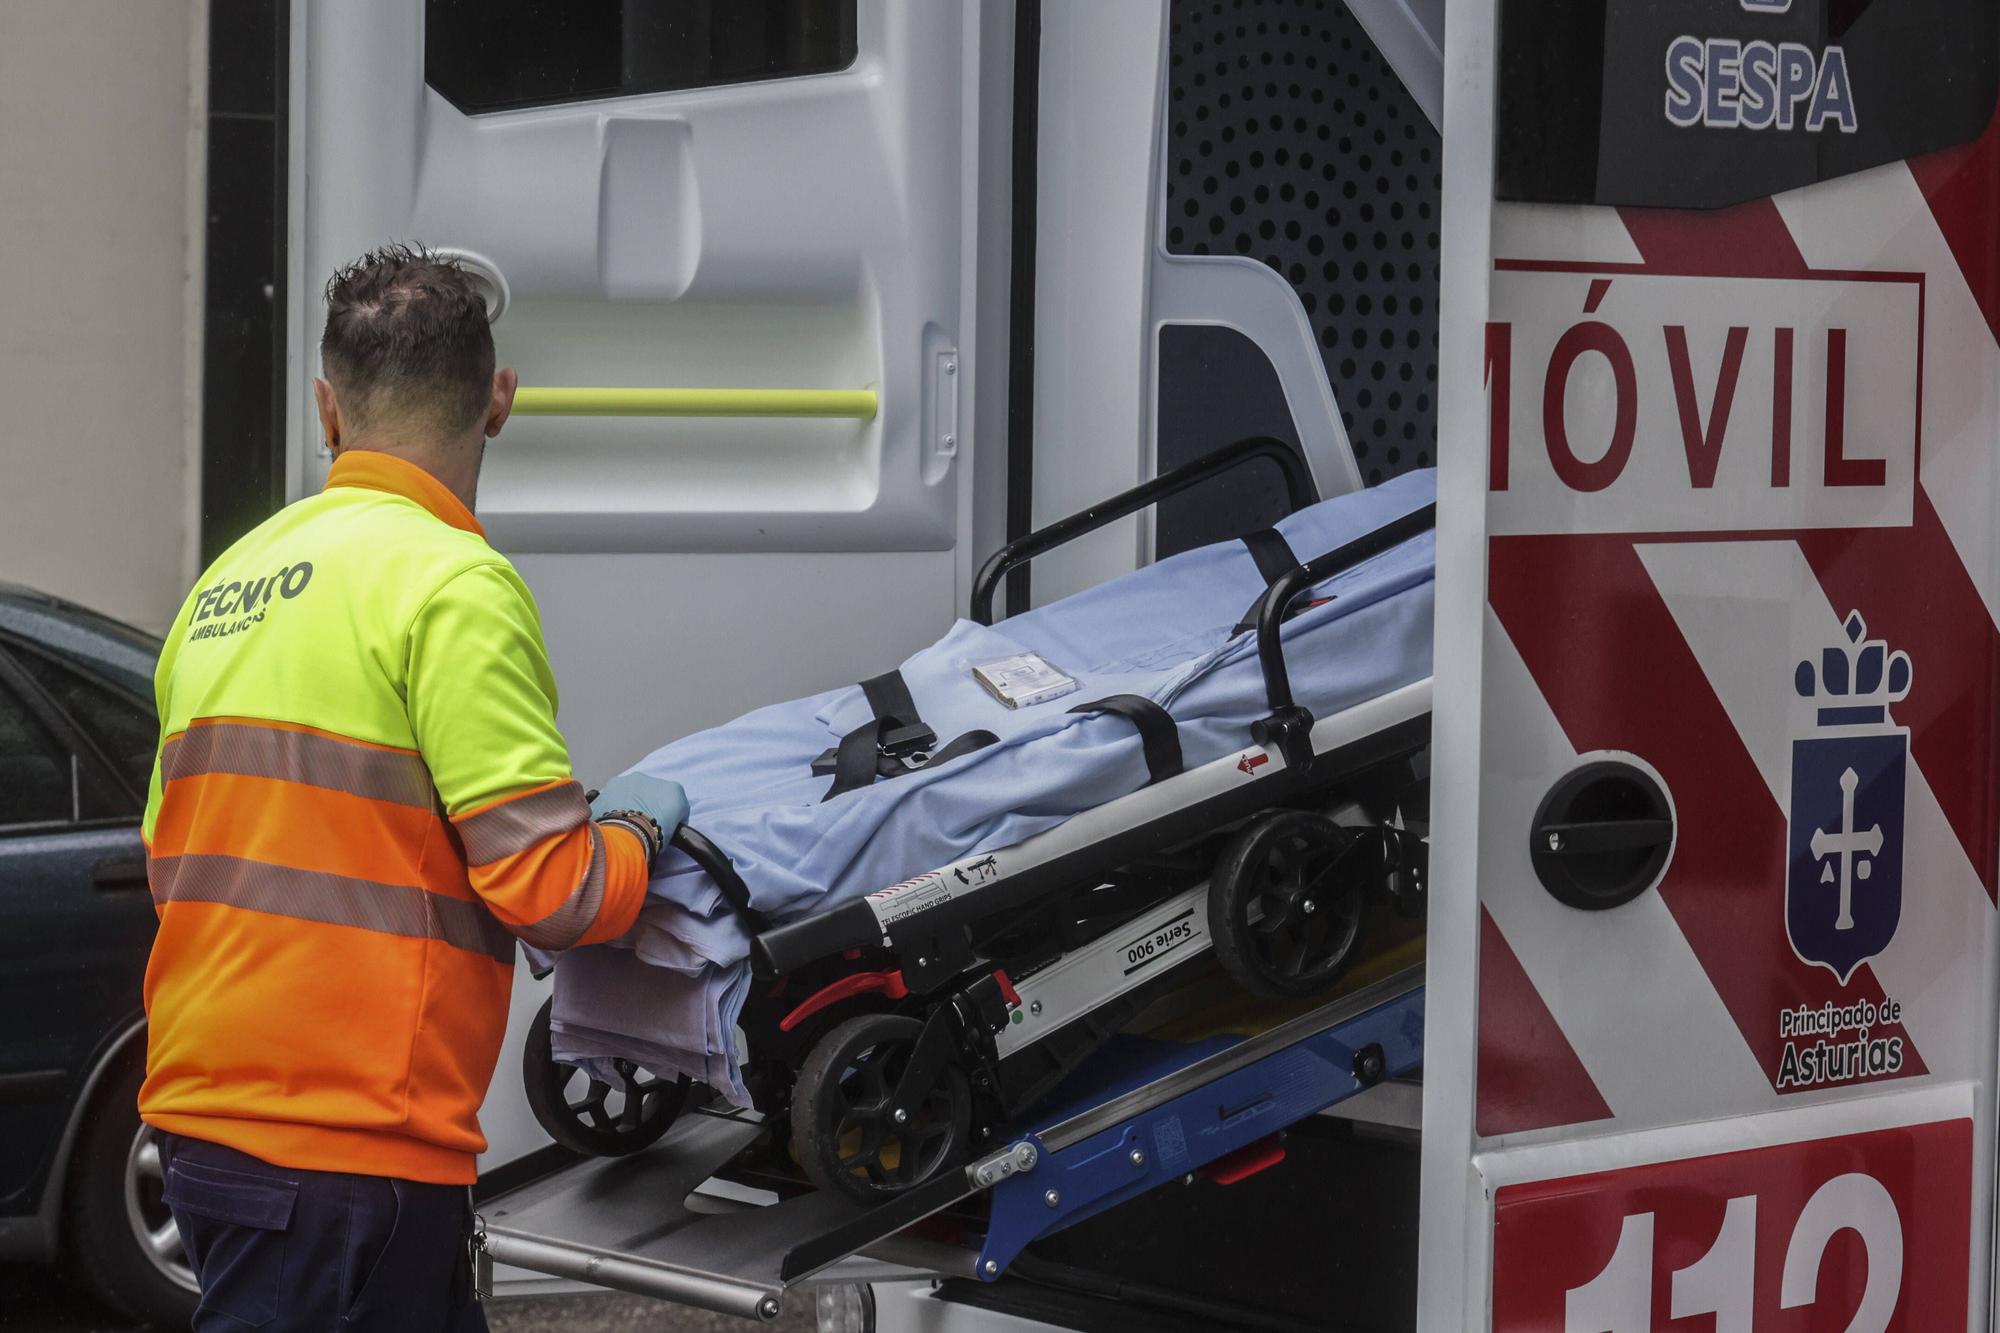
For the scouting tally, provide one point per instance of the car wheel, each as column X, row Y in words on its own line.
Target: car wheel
column 120, row 1242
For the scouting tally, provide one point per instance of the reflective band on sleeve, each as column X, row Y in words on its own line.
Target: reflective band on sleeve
column 516, row 824
column 306, row 757
column 567, row 924
column 334, row 900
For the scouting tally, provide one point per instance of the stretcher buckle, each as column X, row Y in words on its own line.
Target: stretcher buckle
column 909, row 745
column 899, row 748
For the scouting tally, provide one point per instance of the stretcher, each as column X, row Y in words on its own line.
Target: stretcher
column 886, row 1039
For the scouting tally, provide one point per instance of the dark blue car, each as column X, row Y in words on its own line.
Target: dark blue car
column 79, row 1175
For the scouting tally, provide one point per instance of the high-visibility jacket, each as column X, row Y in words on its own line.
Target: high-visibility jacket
column 360, row 801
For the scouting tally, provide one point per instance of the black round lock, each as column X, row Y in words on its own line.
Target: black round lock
column 1601, row 836
column 1370, row 1063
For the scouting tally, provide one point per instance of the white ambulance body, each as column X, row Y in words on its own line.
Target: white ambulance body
column 1693, row 305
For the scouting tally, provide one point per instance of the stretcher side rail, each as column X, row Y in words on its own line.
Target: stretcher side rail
column 1289, row 727
column 1299, row 493
column 719, row 868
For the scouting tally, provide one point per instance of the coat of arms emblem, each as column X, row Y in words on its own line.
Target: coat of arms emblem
column 1844, row 874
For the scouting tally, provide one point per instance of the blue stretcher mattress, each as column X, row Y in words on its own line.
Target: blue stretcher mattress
column 668, row 995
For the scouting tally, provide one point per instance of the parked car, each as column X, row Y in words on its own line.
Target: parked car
column 79, row 1175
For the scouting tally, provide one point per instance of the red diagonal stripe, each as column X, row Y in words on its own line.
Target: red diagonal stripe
column 1908, row 583
column 1746, row 241
column 1910, row 587
column 1529, row 1075
column 1962, row 186
column 1600, row 642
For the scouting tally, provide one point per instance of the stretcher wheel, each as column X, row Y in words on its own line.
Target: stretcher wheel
column 1285, row 904
column 841, row 1125
column 588, row 1115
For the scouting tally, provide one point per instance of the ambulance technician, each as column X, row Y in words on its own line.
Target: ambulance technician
column 361, row 801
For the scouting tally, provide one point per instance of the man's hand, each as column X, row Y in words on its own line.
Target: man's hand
column 657, row 802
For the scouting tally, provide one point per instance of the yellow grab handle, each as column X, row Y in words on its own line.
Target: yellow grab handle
column 545, row 401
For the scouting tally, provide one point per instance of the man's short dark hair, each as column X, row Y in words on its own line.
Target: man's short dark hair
column 407, row 337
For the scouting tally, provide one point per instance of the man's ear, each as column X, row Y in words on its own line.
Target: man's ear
column 505, row 381
column 329, row 414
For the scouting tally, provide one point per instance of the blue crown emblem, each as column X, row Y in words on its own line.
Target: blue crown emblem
column 1856, row 681
column 1844, row 877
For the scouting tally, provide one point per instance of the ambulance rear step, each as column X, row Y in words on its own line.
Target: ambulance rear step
column 645, row 1224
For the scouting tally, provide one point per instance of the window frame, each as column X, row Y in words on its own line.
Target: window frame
column 17, row 683
column 81, row 668
column 580, row 100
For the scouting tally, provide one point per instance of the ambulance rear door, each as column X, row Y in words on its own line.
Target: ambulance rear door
column 757, row 199
column 1712, row 962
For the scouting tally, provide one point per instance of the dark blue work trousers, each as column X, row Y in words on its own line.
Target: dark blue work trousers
column 278, row 1249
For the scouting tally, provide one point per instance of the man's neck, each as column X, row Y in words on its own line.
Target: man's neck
column 457, row 466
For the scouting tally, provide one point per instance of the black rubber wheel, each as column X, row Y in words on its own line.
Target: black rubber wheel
column 841, row 1126
column 1286, row 903
column 588, row 1115
column 119, row 1240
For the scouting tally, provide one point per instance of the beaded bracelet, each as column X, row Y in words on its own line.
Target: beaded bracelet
column 642, row 824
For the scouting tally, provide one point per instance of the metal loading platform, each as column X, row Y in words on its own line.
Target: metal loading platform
column 1147, row 1114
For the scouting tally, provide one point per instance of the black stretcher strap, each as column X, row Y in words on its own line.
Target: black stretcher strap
column 1272, row 553
column 1158, row 733
column 895, row 741
column 960, row 746
column 889, row 696
column 1275, row 559
column 855, row 759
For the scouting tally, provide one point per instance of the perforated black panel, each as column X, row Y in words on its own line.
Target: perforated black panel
column 1291, row 141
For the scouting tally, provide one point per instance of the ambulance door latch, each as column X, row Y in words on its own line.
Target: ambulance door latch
column 1602, row 836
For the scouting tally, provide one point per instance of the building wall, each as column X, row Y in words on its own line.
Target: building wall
column 99, row 127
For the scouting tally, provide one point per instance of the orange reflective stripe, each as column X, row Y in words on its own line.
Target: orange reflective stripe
column 527, row 886
column 604, row 871
column 315, row 758
column 516, row 823
column 334, row 900
column 625, row 878
column 264, row 819
column 566, row 925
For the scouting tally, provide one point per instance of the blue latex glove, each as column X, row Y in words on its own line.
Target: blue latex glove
column 662, row 800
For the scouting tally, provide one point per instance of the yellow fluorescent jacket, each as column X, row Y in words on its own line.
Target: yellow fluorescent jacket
column 361, row 800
